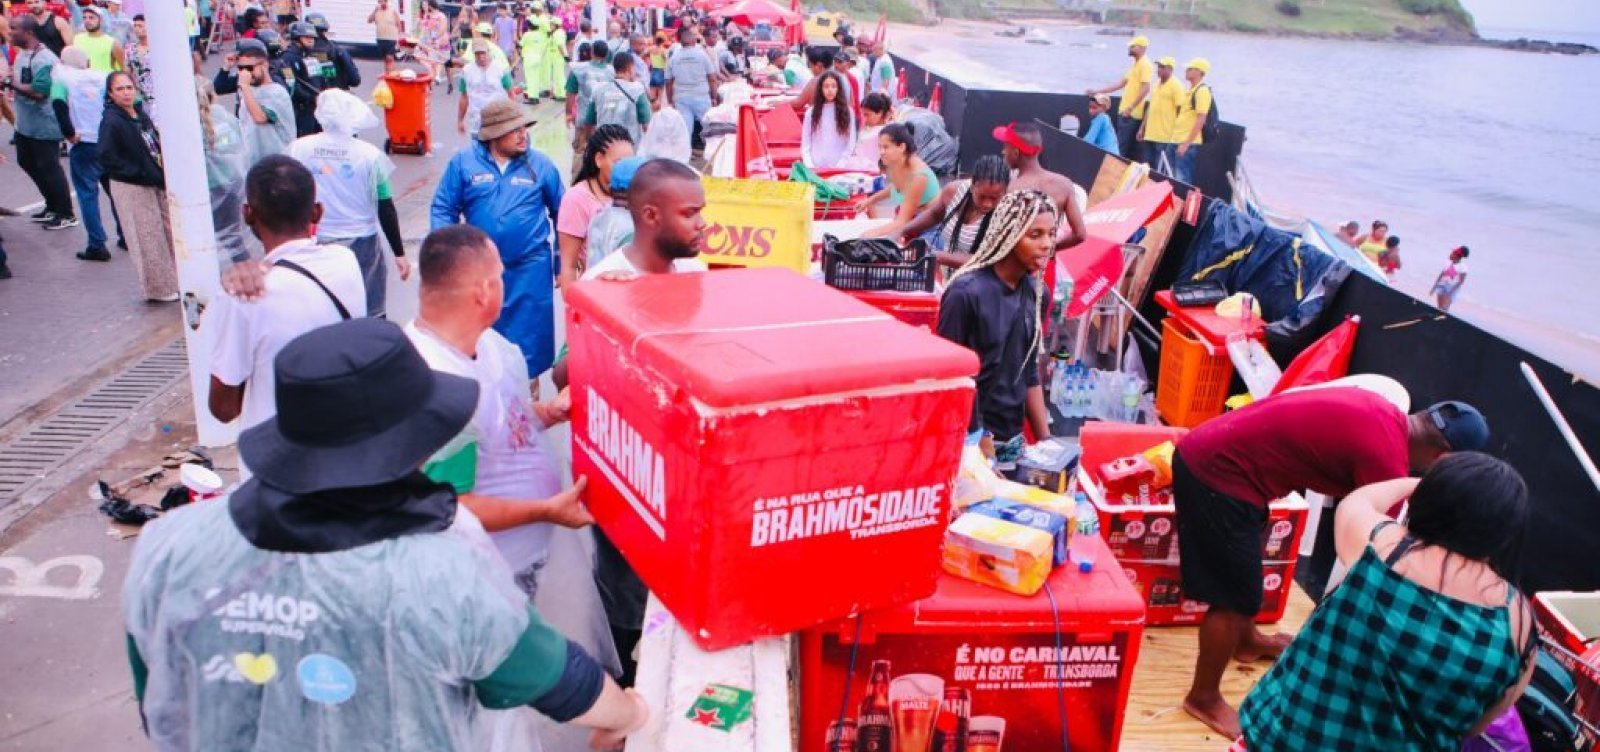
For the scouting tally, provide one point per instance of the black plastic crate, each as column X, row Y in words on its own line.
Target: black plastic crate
column 915, row 274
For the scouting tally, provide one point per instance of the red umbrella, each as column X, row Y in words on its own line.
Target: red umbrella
column 796, row 34
column 752, row 159
column 752, row 12
column 1095, row 265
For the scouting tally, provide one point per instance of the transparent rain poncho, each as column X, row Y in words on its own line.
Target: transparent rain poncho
column 371, row 648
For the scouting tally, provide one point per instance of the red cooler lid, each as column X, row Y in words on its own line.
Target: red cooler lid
column 1101, row 598
column 747, row 336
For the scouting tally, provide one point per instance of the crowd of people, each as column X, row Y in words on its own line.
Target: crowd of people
column 1160, row 120
column 1383, row 250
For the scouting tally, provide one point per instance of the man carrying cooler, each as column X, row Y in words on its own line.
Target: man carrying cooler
column 1331, row 440
column 1135, row 86
column 341, row 600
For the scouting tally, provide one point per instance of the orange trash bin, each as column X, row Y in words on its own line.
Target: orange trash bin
column 407, row 119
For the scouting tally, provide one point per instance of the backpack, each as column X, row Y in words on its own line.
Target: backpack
column 1213, row 127
column 615, row 105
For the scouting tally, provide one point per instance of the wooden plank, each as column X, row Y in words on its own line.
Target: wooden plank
column 1155, row 719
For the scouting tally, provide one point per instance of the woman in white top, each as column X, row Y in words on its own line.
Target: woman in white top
column 828, row 131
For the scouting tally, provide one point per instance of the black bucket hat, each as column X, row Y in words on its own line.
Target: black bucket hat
column 357, row 407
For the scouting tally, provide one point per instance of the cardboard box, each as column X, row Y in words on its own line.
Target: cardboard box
column 1161, row 586
column 766, row 452
column 1047, row 465
column 999, row 648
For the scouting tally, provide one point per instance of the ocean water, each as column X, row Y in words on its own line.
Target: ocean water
column 1492, row 149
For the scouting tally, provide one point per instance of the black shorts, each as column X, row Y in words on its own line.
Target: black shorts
column 386, row 48
column 1219, row 544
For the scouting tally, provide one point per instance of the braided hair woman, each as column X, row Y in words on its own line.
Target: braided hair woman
column 992, row 306
column 960, row 216
column 590, row 193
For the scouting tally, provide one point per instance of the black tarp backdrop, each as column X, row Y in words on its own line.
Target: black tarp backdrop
column 971, row 114
column 1439, row 357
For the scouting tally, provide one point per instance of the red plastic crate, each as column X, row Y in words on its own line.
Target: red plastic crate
column 998, row 646
column 1161, row 586
column 1102, row 442
column 767, row 452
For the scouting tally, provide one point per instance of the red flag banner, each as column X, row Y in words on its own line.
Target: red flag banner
column 752, row 160
column 1325, row 360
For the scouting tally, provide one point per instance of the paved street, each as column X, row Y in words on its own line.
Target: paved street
column 66, row 326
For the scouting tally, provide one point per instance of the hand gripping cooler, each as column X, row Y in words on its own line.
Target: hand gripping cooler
column 767, row 452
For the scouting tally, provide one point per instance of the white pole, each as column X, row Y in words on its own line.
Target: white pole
column 598, row 17
column 188, row 199
column 1562, row 425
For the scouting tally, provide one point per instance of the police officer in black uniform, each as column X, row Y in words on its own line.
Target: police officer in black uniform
column 345, row 76
column 309, row 75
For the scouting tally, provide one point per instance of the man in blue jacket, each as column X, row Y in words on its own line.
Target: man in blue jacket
column 497, row 185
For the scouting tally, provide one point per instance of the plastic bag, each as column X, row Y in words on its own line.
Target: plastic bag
column 667, row 137
column 865, row 250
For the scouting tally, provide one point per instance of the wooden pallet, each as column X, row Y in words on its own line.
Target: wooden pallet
column 1155, row 719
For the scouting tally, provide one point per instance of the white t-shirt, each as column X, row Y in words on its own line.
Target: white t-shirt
column 513, row 461
column 349, row 174
column 247, row 336
column 618, row 262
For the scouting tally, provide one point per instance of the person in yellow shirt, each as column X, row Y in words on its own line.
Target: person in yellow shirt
column 1189, row 131
column 1159, row 132
column 1375, row 243
column 1136, row 87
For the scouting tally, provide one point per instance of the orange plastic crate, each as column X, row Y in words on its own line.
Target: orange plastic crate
column 1194, row 383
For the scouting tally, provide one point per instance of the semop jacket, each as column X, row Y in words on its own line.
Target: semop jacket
column 517, row 209
column 276, row 623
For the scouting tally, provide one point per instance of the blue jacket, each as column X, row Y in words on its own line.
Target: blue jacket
column 1101, row 134
column 517, row 208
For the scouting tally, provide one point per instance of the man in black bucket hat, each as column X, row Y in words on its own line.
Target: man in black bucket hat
column 340, row 577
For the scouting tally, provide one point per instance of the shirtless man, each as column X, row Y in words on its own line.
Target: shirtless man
column 1023, row 144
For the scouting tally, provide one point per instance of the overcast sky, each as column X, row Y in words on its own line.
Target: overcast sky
column 1566, row 15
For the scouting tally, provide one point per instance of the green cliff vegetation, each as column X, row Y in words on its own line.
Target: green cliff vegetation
column 1416, row 19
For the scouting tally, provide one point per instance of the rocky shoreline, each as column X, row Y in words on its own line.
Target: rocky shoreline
column 1436, row 36
column 1432, row 37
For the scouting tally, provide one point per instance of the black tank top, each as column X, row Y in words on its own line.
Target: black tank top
column 50, row 36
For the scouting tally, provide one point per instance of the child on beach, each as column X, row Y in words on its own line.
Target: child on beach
column 1451, row 279
column 1389, row 260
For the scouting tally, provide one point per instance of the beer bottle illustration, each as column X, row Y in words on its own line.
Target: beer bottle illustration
column 841, row 736
column 873, row 723
column 950, row 731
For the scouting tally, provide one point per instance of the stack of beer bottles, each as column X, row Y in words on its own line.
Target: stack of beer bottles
column 1125, row 472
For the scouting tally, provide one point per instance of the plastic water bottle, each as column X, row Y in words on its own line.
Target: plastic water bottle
column 1131, row 393
column 1088, row 520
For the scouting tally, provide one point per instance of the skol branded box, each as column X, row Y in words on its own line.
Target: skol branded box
column 765, row 451
column 1161, row 585
column 997, row 663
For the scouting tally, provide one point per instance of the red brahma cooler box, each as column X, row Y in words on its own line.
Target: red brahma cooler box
column 767, row 452
column 1000, row 672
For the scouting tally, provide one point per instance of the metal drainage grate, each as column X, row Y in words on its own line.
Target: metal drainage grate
column 52, row 442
